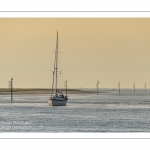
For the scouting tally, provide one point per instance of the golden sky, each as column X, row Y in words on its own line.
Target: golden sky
column 105, row 49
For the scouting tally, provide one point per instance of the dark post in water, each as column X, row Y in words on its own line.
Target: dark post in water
column 97, row 86
column 11, row 89
column 119, row 87
column 145, row 86
column 134, row 87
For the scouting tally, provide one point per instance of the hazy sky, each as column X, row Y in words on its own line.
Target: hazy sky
column 105, row 49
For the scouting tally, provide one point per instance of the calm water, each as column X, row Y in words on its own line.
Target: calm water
column 106, row 112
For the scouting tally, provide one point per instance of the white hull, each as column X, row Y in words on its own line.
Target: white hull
column 57, row 102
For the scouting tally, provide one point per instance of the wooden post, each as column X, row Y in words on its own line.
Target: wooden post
column 97, row 85
column 134, row 86
column 11, row 89
column 145, row 86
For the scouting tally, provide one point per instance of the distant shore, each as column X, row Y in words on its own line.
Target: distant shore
column 40, row 91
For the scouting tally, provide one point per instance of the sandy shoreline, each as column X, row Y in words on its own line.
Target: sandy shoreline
column 44, row 92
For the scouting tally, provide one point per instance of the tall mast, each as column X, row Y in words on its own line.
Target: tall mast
column 56, row 61
column 53, row 79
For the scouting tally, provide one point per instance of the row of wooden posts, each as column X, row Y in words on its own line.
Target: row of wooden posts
column 97, row 87
column 65, row 83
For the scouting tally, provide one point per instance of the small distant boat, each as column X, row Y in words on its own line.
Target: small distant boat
column 58, row 99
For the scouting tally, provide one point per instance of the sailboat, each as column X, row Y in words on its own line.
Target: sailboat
column 57, row 99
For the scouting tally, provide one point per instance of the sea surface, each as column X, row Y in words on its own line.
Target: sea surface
column 108, row 111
